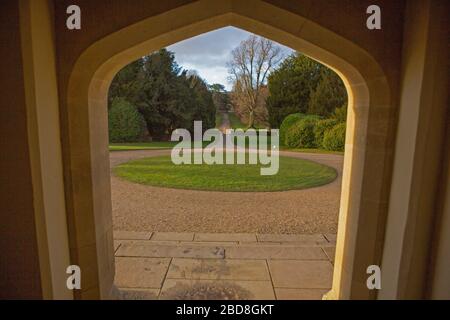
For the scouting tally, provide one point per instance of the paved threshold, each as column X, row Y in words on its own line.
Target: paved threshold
column 223, row 266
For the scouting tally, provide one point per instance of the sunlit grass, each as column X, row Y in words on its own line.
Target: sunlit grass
column 161, row 172
column 141, row 145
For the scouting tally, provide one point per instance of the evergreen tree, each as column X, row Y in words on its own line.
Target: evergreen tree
column 204, row 108
column 302, row 85
column 290, row 87
column 158, row 101
column 329, row 94
column 166, row 96
column 220, row 97
column 127, row 83
column 125, row 123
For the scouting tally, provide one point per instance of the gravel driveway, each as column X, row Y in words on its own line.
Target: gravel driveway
column 145, row 208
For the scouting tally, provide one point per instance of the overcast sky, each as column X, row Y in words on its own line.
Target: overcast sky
column 208, row 53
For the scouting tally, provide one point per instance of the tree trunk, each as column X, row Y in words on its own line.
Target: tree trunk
column 251, row 120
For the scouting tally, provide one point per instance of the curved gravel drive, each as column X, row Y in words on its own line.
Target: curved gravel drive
column 145, row 208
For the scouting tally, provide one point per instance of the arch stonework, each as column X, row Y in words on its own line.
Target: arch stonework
column 366, row 174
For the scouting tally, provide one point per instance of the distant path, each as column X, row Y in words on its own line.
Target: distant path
column 146, row 208
column 225, row 122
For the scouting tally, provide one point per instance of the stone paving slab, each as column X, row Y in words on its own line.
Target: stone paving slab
column 191, row 243
column 258, row 243
column 301, row 274
column 299, row 294
column 225, row 237
column 141, row 272
column 177, row 289
column 132, row 235
column 177, row 269
column 287, row 244
column 275, row 252
column 138, row 294
column 147, row 249
column 177, row 236
column 307, row 239
column 330, row 252
column 218, row 269
column 210, row 243
column 331, row 237
column 163, row 242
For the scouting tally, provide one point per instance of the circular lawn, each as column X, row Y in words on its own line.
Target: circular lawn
column 159, row 171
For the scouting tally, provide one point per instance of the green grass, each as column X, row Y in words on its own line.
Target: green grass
column 170, row 144
column 141, row 145
column 147, row 145
column 161, row 172
column 310, row 150
column 235, row 122
column 219, row 119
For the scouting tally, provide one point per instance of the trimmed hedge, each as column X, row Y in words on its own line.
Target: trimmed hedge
column 334, row 138
column 321, row 127
column 301, row 134
column 310, row 131
column 126, row 124
column 287, row 123
column 340, row 114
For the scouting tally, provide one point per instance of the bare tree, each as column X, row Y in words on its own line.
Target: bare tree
column 249, row 67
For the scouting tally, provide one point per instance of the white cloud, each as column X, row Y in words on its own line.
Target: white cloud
column 208, row 53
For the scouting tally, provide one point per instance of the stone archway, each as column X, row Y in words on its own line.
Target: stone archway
column 364, row 196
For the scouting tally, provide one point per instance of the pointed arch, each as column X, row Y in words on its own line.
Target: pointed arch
column 363, row 199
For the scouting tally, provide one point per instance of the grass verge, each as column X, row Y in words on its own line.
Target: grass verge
column 161, row 172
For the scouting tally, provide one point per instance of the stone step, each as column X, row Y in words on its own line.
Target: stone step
column 275, row 252
column 297, row 238
column 218, row 269
column 230, row 243
column 142, row 248
column 135, row 272
column 147, row 249
column 245, row 238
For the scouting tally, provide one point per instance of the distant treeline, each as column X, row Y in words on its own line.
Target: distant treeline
column 152, row 96
column 302, row 85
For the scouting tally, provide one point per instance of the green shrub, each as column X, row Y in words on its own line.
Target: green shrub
column 334, row 138
column 287, row 123
column 290, row 121
column 126, row 124
column 301, row 134
column 340, row 114
column 321, row 127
